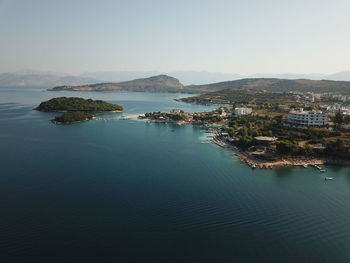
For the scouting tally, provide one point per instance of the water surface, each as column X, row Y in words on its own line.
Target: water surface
column 132, row 191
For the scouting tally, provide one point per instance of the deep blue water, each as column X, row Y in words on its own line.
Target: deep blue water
column 132, row 191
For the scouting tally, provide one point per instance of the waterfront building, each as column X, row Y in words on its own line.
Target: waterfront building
column 307, row 118
column 243, row 111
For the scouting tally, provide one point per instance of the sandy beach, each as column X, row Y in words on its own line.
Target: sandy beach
column 131, row 117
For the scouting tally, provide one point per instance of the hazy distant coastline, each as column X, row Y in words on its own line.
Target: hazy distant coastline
column 165, row 83
column 27, row 78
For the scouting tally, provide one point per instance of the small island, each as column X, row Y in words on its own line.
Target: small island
column 75, row 109
column 72, row 117
column 65, row 104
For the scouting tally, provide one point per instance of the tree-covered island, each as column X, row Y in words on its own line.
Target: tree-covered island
column 64, row 104
column 76, row 109
column 72, row 117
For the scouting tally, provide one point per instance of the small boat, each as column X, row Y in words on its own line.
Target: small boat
column 253, row 166
column 328, row 178
column 305, row 165
column 322, row 170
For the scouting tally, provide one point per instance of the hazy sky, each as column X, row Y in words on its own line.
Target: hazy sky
column 236, row 36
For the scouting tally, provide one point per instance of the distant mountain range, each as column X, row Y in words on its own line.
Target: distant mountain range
column 41, row 79
column 52, row 79
column 164, row 83
column 204, row 77
column 277, row 85
column 186, row 77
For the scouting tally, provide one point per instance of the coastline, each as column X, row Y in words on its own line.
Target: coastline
column 67, row 123
column 249, row 160
column 72, row 122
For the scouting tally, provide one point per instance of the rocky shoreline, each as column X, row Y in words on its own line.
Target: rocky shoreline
column 246, row 158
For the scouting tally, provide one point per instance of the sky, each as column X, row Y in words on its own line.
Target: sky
column 231, row 36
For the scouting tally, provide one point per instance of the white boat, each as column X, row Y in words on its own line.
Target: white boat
column 322, row 170
column 305, row 165
column 328, row 178
column 253, row 166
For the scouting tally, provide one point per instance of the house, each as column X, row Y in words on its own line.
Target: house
column 243, row 111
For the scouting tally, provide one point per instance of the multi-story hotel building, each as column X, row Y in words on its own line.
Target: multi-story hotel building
column 307, row 118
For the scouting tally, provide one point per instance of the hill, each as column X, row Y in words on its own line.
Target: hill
column 164, row 83
column 240, row 96
column 188, row 77
column 277, row 85
column 160, row 83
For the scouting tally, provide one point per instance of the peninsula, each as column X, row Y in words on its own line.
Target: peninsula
column 265, row 137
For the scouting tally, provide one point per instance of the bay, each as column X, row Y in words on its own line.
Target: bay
column 132, row 191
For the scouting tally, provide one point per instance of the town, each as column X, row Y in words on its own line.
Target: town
column 308, row 129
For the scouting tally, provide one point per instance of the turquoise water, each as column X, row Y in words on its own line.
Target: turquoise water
column 132, row 191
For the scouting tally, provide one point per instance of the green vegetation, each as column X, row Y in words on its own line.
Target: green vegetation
column 340, row 119
column 173, row 116
column 291, row 141
column 278, row 85
column 339, row 148
column 241, row 96
column 207, row 117
column 193, row 118
column 72, row 117
column 77, row 104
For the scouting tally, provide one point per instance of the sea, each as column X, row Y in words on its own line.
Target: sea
column 113, row 190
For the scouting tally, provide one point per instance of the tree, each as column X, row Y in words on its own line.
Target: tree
column 347, row 119
column 337, row 148
column 287, row 147
column 245, row 142
column 338, row 118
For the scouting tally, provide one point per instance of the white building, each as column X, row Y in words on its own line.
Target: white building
column 243, row 111
column 307, row 118
column 336, row 107
column 345, row 127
